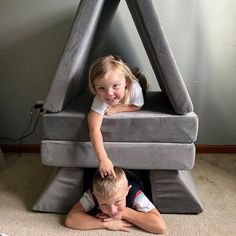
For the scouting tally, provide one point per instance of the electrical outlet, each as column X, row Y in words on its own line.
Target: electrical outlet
column 39, row 104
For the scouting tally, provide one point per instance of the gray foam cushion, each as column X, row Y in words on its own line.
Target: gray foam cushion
column 62, row 191
column 129, row 155
column 160, row 55
column 156, row 122
column 174, row 192
column 91, row 22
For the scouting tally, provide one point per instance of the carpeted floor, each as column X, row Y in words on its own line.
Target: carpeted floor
column 23, row 177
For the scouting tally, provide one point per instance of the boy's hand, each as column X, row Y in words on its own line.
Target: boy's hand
column 106, row 168
column 117, row 225
column 106, row 217
column 102, row 216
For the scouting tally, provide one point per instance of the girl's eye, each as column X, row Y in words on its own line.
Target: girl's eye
column 116, row 86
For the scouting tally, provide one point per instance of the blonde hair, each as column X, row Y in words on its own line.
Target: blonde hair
column 109, row 186
column 99, row 69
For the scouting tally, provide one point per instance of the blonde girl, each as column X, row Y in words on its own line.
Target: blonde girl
column 116, row 89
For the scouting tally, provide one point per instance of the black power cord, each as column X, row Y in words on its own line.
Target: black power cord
column 35, row 108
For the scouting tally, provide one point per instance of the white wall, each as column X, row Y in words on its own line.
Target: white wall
column 201, row 33
column 32, row 37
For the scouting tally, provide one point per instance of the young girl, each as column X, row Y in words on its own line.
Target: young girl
column 116, row 89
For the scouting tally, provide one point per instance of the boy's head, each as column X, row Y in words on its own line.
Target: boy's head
column 111, row 192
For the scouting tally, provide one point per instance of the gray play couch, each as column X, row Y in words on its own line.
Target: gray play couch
column 159, row 138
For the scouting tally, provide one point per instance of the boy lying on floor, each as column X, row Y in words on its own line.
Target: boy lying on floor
column 122, row 204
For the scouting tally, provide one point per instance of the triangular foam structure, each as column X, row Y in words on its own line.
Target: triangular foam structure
column 90, row 26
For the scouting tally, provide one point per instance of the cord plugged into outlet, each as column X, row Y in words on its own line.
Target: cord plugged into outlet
column 36, row 112
column 39, row 105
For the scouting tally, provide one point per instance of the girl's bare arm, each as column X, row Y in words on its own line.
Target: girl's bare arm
column 94, row 122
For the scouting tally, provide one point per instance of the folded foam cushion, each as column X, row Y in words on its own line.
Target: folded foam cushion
column 160, row 55
column 62, row 191
column 91, row 22
column 174, row 192
column 156, row 122
column 171, row 156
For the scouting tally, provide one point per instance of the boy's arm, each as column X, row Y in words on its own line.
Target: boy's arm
column 77, row 218
column 94, row 122
column 151, row 221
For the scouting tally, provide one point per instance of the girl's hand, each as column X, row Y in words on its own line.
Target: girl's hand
column 114, row 109
column 121, row 108
column 106, row 168
column 109, row 111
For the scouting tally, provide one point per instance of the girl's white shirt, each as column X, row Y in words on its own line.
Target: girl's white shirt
column 136, row 98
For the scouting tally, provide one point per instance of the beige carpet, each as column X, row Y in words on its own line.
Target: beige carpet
column 24, row 176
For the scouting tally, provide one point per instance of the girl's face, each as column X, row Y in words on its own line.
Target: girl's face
column 111, row 88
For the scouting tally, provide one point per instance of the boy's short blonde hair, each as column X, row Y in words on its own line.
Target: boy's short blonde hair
column 109, row 186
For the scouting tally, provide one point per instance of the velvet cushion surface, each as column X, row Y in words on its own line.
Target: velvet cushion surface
column 160, row 55
column 172, row 191
column 129, row 155
column 156, row 122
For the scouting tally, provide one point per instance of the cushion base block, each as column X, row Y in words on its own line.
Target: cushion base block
column 62, row 191
column 174, row 192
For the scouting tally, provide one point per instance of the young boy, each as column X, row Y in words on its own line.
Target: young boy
column 122, row 205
